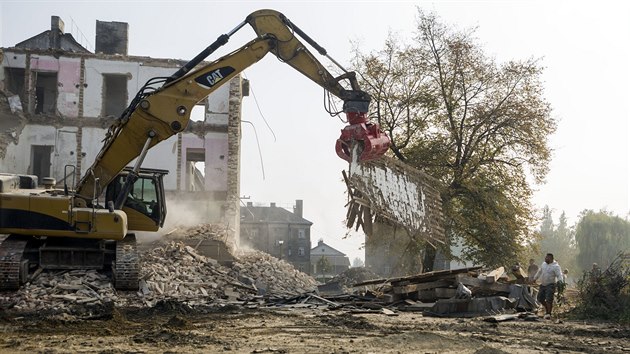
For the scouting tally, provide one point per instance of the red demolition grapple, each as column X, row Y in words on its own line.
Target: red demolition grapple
column 373, row 143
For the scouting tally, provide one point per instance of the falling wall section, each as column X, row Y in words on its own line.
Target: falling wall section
column 400, row 209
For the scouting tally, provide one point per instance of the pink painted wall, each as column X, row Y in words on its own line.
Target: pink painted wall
column 68, row 96
column 68, row 76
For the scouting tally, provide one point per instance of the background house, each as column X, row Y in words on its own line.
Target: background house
column 279, row 232
column 68, row 96
column 324, row 256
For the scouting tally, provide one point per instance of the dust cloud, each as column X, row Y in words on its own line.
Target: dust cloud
column 180, row 214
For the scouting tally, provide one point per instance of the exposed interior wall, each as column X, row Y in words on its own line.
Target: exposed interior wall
column 68, row 87
column 14, row 81
column 75, row 96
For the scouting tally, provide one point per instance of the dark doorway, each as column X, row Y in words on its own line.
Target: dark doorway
column 14, row 81
column 46, row 93
column 40, row 160
column 114, row 95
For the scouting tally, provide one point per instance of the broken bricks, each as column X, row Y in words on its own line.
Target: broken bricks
column 170, row 271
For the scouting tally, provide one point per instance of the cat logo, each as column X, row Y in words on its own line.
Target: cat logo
column 214, row 77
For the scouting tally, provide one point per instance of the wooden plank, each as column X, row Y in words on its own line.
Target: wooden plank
column 418, row 278
column 427, row 295
column 410, row 288
column 445, row 293
column 494, row 275
column 477, row 285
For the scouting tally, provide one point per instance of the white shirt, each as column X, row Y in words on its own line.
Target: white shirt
column 549, row 273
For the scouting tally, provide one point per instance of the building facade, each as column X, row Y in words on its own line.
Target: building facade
column 326, row 262
column 283, row 234
column 62, row 99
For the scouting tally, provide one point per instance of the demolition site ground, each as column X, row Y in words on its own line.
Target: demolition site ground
column 172, row 327
column 189, row 303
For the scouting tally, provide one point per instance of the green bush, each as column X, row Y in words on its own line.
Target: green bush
column 605, row 294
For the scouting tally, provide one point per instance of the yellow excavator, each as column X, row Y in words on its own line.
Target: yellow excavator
column 91, row 226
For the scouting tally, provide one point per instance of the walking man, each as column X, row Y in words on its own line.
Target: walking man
column 549, row 273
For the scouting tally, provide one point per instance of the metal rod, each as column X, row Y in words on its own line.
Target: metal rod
column 221, row 40
column 311, row 41
column 133, row 175
column 143, row 153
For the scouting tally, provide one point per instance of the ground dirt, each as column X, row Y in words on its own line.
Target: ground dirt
column 176, row 328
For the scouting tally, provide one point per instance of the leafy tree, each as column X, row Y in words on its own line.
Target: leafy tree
column 600, row 236
column 558, row 240
column 357, row 263
column 323, row 265
column 478, row 126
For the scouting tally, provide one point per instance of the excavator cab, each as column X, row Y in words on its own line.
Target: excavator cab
column 145, row 203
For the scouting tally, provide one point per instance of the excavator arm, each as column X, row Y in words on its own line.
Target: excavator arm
column 156, row 114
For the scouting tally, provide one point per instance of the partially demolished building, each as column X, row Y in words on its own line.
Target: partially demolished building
column 58, row 99
column 399, row 209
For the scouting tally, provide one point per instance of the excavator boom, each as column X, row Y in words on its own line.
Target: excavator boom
column 156, row 116
column 72, row 231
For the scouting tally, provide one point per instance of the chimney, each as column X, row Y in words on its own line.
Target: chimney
column 298, row 208
column 112, row 37
column 57, row 29
column 273, row 205
column 320, row 242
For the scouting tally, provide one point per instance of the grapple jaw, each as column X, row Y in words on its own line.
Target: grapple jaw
column 372, row 142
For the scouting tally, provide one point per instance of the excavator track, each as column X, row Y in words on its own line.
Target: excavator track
column 126, row 267
column 11, row 265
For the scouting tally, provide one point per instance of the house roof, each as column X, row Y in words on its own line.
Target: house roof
column 41, row 42
column 270, row 214
column 323, row 249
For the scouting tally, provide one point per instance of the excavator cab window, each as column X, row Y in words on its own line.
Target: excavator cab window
column 146, row 196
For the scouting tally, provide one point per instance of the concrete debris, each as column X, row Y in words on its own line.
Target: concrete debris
column 14, row 103
column 61, row 291
column 271, row 275
column 12, row 120
column 462, row 292
column 176, row 271
column 343, row 282
column 210, row 240
column 171, row 271
column 354, row 275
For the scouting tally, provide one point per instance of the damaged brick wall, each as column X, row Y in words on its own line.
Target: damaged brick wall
column 232, row 204
column 399, row 208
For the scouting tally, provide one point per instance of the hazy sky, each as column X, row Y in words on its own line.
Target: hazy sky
column 584, row 45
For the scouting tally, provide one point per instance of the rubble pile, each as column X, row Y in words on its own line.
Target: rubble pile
column 176, row 271
column 202, row 231
column 210, row 240
column 61, row 291
column 170, row 271
column 271, row 275
column 353, row 276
